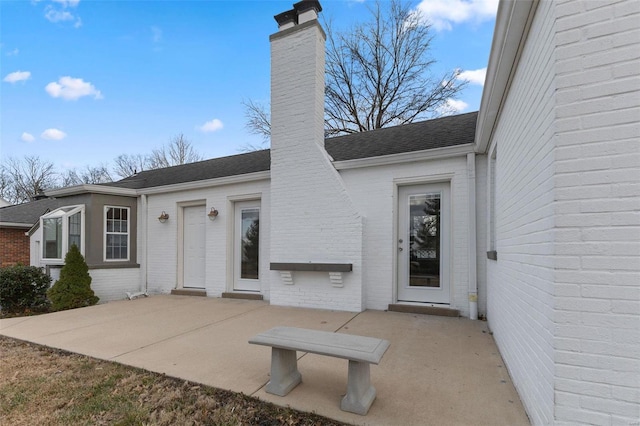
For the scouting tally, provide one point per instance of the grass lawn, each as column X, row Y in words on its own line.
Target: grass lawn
column 44, row 386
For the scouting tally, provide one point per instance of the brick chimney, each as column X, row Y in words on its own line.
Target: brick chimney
column 313, row 219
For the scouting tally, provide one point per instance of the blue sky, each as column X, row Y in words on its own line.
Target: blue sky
column 85, row 81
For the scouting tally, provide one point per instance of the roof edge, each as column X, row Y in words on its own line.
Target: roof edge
column 90, row 188
column 512, row 26
column 405, row 157
column 197, row 184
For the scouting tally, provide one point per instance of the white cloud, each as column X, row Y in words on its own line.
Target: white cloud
column 72, row 88
column 59, row 12
column 27, row 137
column 67, row 3
column 211, row 126
column 16, row 76
column 452, row 106
column 442, row 14
column 54, row 15
column 474, row 76
column 13, row 52
column 53, row 135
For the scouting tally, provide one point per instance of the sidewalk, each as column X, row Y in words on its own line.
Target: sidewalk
column 444, row 371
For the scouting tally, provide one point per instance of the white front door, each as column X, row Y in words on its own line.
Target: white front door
column 194, row 248
column 247, row 246
column 423, row 243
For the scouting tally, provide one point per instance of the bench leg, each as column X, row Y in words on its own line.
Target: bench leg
column 284, row 372
column 360, row 393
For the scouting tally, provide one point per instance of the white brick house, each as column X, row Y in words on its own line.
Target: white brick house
column 560, row 122
column 526, row 213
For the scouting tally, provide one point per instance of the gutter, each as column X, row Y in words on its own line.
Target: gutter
column 473, row 273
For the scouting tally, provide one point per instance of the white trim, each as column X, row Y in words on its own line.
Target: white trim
column 227, row 180
column 104, row 234
column 94, row 189
column 512, row 25
column 64, row 216
column 406, row 157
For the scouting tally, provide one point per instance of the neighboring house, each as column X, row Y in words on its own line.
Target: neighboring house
column 4, row 203
column 525, row 212
column 15, row 223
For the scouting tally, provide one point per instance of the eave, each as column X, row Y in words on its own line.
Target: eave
column 512, row 26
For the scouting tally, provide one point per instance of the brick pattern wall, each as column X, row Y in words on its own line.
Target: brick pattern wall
column 597, row 274
column 372, row 190
column 162, row 238
column 14, row 247
column 520, row 284
column 313, row 218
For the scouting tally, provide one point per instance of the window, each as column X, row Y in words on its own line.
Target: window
column 116, row 241
column 61, row 229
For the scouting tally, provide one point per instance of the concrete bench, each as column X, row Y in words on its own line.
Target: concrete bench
column 359, row 350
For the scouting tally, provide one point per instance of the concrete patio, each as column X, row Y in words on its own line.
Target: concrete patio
column 444, row 371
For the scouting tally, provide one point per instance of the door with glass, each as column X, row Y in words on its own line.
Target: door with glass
column 247, row 246
column 423, row 243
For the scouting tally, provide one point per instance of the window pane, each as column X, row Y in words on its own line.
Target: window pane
column 52, row 236
column 424, row 222
column 116, row 234
column 75, row 229
column 250, row 243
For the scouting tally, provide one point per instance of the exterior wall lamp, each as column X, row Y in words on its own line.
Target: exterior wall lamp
column 163, row 217
column 213, row 214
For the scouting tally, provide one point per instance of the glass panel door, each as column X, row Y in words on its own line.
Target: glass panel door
column 423, row 243
column 247, row 246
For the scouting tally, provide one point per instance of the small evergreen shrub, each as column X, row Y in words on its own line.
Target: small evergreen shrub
column 73, row 289
column 23, row 288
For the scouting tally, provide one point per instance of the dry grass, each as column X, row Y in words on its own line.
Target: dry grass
column 45, row 386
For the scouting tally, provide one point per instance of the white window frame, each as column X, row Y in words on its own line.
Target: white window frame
column 104, row 234
column 64, row 213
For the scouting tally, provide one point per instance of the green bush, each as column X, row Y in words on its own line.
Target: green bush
column 23, row 288
column 73, row 289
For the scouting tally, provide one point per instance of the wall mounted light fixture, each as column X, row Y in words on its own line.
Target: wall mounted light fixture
column 213, row 213
column 163, row 217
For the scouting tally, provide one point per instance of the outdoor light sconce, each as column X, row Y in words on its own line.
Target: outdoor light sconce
column 163, row 217
column 213, row 213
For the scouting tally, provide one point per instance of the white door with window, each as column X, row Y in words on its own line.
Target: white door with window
column 246, row 246
column 194, row 248
column 423, row 243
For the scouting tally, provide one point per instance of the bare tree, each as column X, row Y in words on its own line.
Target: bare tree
column 28, row 177
column 127, row 165
column 378, row 74
column 88, row 175
column 178, row 151
column 258, row 119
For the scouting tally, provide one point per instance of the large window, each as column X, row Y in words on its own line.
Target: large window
column 61, row 229
column 116, row 239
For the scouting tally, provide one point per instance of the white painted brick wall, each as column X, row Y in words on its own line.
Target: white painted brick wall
column 372, row 190
column 313, row 218
column 162, row 244
column 520, row 284
column 598, row 212
column 113, row 284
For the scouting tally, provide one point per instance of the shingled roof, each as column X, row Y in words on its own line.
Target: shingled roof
column 29, row 213
column 438, row 133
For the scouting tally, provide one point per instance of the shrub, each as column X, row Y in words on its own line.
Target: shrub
column 23, row 288
column 73, row 289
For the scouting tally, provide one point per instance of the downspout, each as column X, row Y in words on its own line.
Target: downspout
column 142, row 248
column 145, row 217
column 473, row 282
